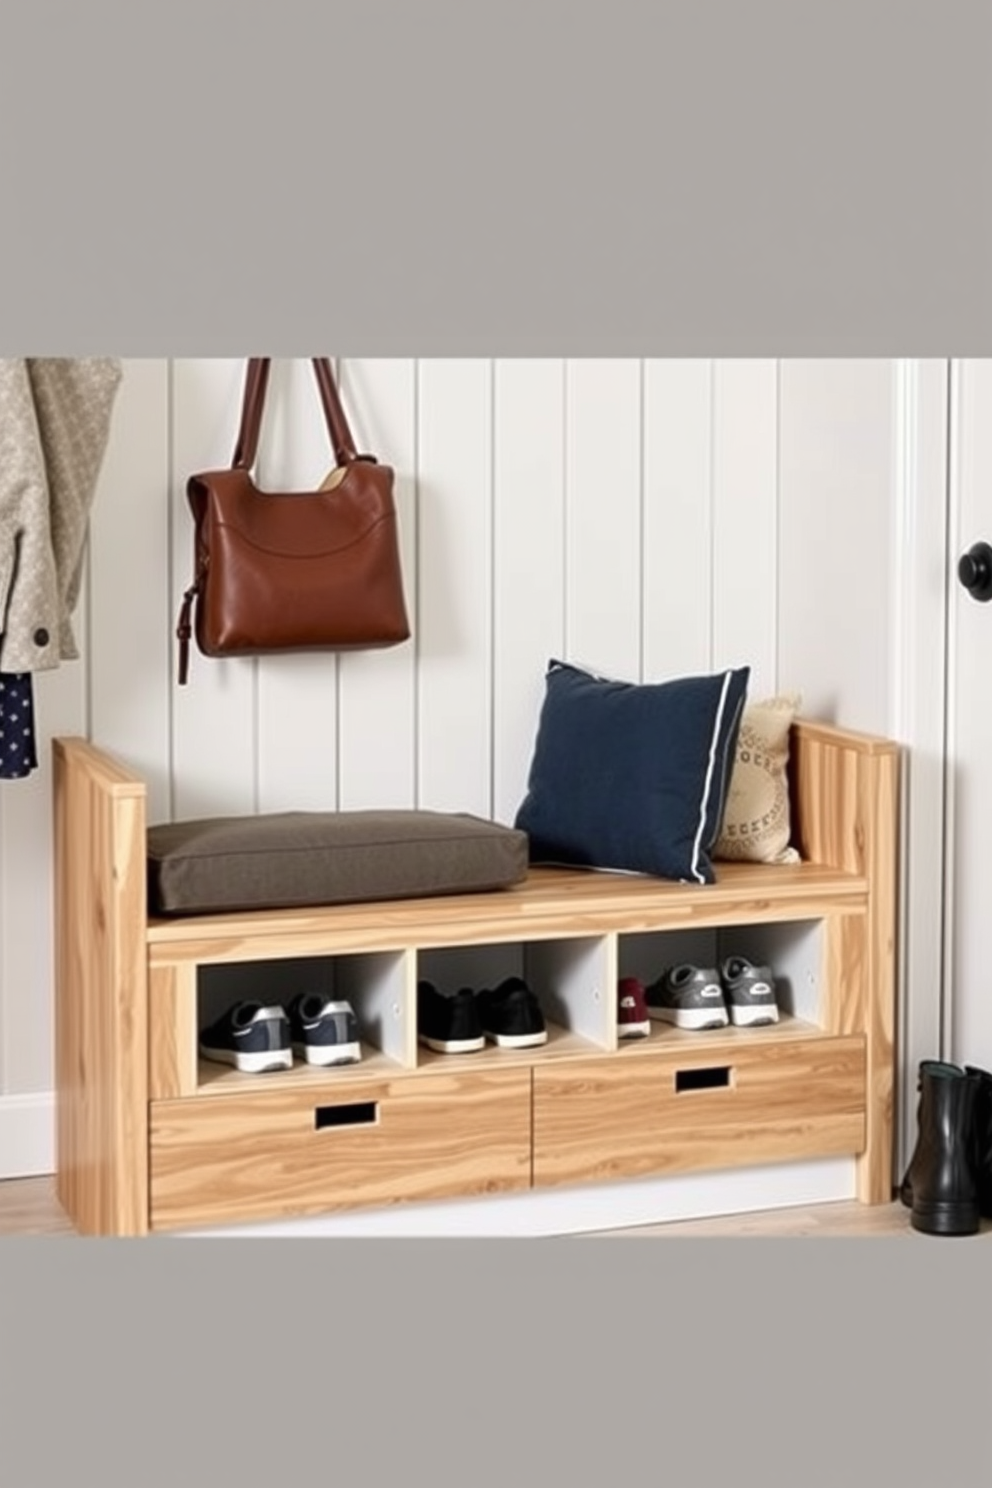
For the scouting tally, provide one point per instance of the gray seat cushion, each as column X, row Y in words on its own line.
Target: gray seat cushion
column 299, row 858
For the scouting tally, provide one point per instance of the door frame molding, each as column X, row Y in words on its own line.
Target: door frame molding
column 923, row 470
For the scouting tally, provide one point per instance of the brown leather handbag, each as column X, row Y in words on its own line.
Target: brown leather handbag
column 293, row 571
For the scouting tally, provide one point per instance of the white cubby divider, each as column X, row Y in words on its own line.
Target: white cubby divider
column 575, row 982
column 381, row 987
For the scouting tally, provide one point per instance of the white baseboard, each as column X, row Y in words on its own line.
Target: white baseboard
column 575, row 1211
column 27, row 1135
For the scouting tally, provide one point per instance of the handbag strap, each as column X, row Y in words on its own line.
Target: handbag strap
column 256, row 382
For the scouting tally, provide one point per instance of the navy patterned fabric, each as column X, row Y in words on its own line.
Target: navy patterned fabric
column 17, row 745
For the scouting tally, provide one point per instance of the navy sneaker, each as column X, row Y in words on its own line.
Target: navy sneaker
column 250, row 1036
column 324, row 1032
column 448, row 1025
column 511, row 1015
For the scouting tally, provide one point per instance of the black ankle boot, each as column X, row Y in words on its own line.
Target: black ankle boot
column 944, row 1171
column 983, row 1138
column 906, row 1190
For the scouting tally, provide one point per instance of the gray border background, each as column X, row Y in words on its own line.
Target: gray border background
column 486, row 1363
column 702, row 177
column 547, row 178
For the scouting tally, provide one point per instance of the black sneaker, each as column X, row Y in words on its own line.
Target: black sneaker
column 324, row 1032
column 511, row 1015
column 449, row 1025
column 251, row 1037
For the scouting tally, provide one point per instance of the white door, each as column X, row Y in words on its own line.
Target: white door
column 968, row 874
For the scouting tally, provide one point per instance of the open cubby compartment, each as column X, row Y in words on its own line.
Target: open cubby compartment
column 377, row 984
column 573, row 979
column 793, row 949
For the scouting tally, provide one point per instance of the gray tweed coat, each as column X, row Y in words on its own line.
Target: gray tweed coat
column 54, row 424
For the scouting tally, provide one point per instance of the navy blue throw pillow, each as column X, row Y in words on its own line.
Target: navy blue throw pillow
column 632, row 776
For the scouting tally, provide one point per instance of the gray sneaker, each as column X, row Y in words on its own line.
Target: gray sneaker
column 749, row 992
column 689, row 997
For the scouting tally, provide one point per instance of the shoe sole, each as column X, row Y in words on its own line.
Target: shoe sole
column 945, row 1219
column 326, row 1055
column 634, row 1030
column 696, row 1019
column 452, row 1046
column 251, row 1064
column 518, row 1040
column 752, row 1017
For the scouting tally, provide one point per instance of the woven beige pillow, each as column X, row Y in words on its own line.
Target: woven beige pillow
column 756, row 822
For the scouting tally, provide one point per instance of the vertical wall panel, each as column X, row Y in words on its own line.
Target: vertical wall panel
column 132, row 653
column 296, row 732
column 528, row 552
column 745, row 519
column 678, row 518
column 377, row 689
column 455, row 585
column 603, row 516
column 297, row 702
column 26, row 880
column 834, row 578
column 214, row 716
column 59, row 701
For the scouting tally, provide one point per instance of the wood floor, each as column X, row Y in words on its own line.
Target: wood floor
column 28, row 1206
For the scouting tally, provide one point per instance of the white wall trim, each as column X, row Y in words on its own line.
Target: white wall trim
column 918, row 713
column 27, row 1135
column 955, row 435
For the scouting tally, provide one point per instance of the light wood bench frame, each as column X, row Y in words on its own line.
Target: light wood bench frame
column 133, row 1104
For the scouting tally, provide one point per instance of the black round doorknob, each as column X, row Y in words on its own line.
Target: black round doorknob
column 975, row 571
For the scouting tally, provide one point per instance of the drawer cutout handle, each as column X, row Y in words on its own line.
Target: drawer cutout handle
column 702, row 1079
column 357, row 1113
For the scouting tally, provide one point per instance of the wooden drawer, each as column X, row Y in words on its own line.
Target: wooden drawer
column 741, row 1100
column 296, row 1150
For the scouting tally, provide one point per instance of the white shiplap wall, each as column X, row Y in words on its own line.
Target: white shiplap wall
column 648, row 517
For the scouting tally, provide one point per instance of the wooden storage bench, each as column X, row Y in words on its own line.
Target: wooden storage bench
column 151, row 1138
